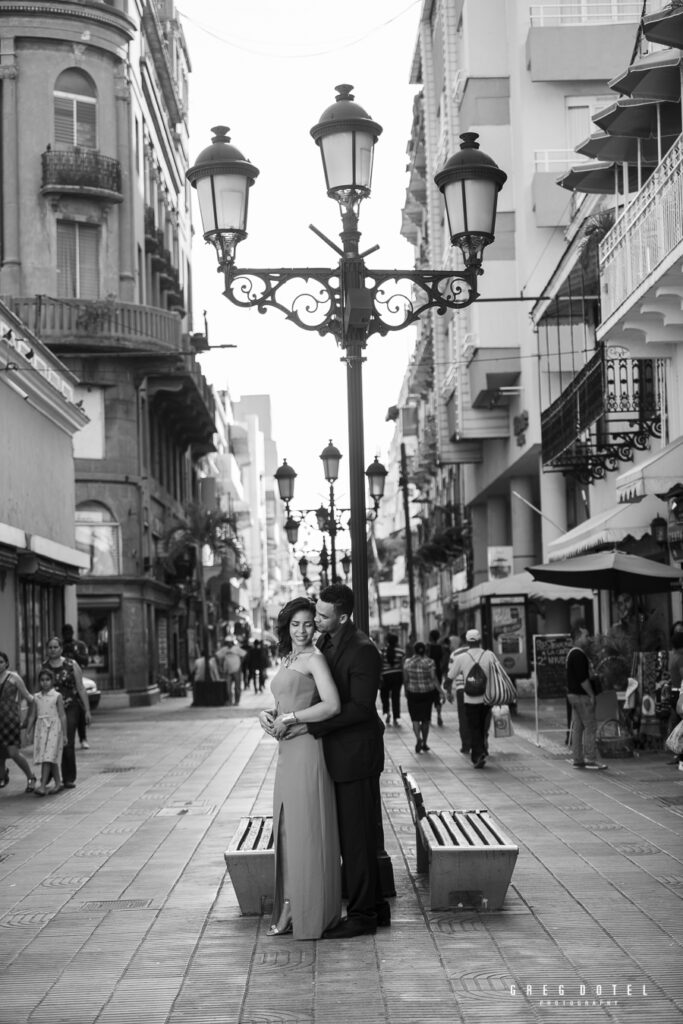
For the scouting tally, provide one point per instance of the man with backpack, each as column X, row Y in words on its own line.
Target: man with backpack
column 474, row 664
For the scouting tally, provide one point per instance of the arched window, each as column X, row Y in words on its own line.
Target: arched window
column 97, row 534
column 75, row 100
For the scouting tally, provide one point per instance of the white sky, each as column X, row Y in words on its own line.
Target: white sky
column 268, row 69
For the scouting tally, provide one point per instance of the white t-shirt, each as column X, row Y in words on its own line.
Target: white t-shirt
column 461, row 664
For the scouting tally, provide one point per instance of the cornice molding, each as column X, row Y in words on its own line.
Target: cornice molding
column 108, row 16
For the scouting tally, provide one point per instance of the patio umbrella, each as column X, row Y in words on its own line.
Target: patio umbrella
column 602, row 178
column 654, row 77
column 620, row 148
column 610, row 570
column 640, row 118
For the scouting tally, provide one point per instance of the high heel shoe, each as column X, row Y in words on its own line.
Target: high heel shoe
column 284, row 924
column 31, row 784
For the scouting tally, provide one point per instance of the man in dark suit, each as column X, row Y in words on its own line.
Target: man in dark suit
column 354, row 754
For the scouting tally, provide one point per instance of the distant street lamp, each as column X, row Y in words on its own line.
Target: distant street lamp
column 328, row 519
column 350, row 301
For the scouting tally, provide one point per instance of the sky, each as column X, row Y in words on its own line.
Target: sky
column 267, row 69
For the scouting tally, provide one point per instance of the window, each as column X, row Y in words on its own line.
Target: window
column 75, row 102
column 97, row 534
column 77, row 260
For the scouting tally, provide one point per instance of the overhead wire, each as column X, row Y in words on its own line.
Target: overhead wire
column 244, row 48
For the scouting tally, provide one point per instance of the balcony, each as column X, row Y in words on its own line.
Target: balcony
column 104, row 324
column 640, row 259
column 81, row 172
column 611, row 409
column 581, row 41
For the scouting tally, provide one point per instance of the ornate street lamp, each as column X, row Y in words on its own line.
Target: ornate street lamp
column 327, row 519
column 350, row 301
column 345, row 562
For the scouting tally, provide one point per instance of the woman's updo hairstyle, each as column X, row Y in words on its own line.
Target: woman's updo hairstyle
column 299, row 604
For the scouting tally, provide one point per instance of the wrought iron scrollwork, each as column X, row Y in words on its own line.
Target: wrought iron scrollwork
column 611, row 409
column 310, row 298
column 400, row 297
column 313, row 298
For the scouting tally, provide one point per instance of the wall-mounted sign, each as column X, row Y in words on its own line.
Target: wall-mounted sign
column 499, row 562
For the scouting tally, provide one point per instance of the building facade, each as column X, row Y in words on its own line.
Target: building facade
column 39, row 562
column 527, row 80
column 95, row 261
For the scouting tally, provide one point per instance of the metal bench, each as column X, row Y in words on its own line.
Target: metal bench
column 250, row 860
column 469, row 859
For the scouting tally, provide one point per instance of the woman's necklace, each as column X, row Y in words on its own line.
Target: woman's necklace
column 293, row 655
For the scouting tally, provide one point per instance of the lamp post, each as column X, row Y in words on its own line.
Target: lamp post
column 328, row 519
column 350, row 301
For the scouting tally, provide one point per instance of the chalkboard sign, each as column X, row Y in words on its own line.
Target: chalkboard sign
column 550, row 655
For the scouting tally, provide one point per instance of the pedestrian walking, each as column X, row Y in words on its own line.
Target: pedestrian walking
column 69, row 683
column 230, row 658
column 675, row 667
column 78, row 652
column 49, row 730
column 455, row 691
column 391, row 679
column 422, row 690
column 474, row 664
column 439, row 655
column 12, row 692
column 581, row 696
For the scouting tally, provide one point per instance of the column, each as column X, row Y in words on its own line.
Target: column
column 524, row 523
column 553, row 505
column 10, row 276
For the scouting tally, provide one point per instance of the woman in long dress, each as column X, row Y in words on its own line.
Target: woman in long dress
column 307, row 897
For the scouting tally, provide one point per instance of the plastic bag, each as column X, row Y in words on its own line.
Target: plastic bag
column 674, row 741
column 502, row 722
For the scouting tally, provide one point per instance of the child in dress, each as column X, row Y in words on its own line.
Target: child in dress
column 48, row 725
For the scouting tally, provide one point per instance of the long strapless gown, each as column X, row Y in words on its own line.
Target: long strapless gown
column 307, row 856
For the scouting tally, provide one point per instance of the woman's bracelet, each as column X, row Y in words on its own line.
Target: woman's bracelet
column 290, row 719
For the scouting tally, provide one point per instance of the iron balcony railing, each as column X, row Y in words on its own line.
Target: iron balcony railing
column 102, row 322
column 649, row 229
column 80, row 168
column 613, row 407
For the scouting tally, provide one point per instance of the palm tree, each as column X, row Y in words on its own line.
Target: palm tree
column 185, row 542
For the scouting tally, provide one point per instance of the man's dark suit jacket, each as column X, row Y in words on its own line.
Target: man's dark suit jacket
column 352, row 740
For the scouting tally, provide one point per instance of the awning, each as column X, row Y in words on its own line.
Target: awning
column 645, row 119
column 620, row 148
column 665, row 26
column 655, row 475
column 602, row 178
column 656, row 76
column 520, row 583
column 606, row 529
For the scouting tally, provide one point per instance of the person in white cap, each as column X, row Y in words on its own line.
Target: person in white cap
column 474, row 665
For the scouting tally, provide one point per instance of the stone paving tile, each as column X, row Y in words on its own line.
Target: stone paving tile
column 589, row 903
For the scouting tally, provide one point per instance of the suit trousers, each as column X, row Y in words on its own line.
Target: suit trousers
column 357, row 814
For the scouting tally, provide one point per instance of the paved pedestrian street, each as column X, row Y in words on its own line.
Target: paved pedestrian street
column 115, row 905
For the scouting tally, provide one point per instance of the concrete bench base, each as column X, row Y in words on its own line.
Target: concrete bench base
column 250, row 860
column 470, row 860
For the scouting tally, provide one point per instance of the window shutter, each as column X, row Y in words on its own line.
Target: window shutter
column 86, row 124
column 66, row 261
column 88, row 261
column 64, row 121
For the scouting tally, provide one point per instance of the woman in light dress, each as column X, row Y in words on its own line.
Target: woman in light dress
column 12, row 692
column 307, row 859
column 48, row 725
